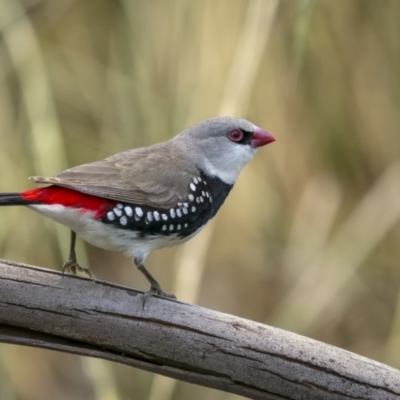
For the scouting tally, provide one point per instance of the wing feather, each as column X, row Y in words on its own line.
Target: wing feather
column 156, row 176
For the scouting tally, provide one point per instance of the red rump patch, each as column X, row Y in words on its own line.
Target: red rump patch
column 68, row 198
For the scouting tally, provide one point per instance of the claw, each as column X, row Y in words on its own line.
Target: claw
column 72, row 266
column 155, row 289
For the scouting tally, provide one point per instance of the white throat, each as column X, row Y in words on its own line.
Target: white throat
column 229, row 165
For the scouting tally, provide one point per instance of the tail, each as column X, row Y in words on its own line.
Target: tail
column 29, row 197
column 13, row 199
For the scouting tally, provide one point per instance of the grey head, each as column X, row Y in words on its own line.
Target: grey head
column 222, row 146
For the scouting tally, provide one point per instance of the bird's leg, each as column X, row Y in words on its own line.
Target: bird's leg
column 71, row 265
column 155, row 287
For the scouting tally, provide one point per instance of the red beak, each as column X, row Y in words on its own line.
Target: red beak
column 260, row 137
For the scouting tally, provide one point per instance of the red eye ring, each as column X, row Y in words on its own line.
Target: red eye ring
column 236, row 135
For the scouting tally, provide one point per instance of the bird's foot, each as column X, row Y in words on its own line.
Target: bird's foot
column 72, row 266
column 155, row 289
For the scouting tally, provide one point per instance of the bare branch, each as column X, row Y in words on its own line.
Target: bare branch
column 43, row 309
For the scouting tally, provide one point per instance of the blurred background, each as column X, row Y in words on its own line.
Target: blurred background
column 308, row 240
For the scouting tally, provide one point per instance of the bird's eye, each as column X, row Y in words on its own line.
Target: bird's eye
column 236, row 135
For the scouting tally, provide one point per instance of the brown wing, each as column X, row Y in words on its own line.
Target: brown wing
column 139, row 176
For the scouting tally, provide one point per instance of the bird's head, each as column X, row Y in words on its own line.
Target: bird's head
column 222, row 146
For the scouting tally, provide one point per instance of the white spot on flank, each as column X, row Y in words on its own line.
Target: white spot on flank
column 137, row 218
column 150, row 216
column 164, row 217
column 185, row 205
column 179, row 204
column 193, row 209
column 110, row 216
column 185, row 210
column 172, row 213
column 186, row 225
column 179, row 213
column 119, row 205
column 178, row 227
column 201, row 199
column 210, row 199
column 139, row 211
column 123, row 220
column 195, row 181
column 207, row 194
column 164, row 228
column 129, row 211
column 197, row 199
column 171, row 227
column 193, row 186
column 117, row 212
column 191, row 197
column 203, row 193
column 156, row 215
column 205, row 182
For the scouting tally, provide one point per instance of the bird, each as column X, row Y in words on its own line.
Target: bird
column 147, row 198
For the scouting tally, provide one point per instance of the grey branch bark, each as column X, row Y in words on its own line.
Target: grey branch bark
column 76, row 315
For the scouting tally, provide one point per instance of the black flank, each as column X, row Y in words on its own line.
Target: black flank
column 209, row 194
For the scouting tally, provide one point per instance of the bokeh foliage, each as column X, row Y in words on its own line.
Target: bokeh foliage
column 308, row 240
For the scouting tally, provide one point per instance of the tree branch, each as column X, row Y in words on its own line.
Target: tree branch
column 41, row 308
